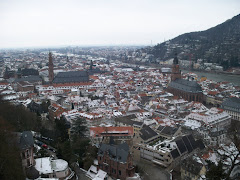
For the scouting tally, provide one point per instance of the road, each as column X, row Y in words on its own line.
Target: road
column 152, row 171
column 79, row 172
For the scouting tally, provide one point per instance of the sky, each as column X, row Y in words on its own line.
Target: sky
column 47, row 23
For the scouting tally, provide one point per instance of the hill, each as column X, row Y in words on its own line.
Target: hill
column 220, row 44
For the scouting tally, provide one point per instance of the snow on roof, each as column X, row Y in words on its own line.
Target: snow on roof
column 95, row 174
column 112, row 131
column 211, row 116
column 100, row 175
column 47, row 179
column 92, row 171
column 192, row 124
column 46, row 165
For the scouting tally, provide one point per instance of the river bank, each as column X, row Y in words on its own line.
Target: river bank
column 219, row 77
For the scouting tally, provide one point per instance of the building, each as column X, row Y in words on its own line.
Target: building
column 95, row 174
column 26, row 144
column 164, row 152
column 217, row 136
column 214, row 117
column 71, row 77
column 116, row 160
column 176, row 73
column 119, row 134
column 55, row 111
column 27, row 72
column 50, row 168
column 191, row 169
column 34, row 80
column 50, row 68
column 146, row 135
column 25, row 86
column 129, row 121
column 232, row 107
column 169, row 132
column 189, row 90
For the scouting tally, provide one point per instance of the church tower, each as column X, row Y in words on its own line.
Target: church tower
column 50, row 68
column 176, row 73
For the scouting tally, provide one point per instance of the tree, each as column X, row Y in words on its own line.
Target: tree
column 79, row 127
column 10, row 161
column 45, row 105
column 234, row 134
column 61, row 130
column 80, row 145
column 215, row 172
column 19, row 117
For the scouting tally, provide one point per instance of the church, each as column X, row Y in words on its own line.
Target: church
column 188, row 90
column 69, row 77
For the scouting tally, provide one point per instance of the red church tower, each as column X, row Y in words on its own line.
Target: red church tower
column 50, row 68
column 176, row 73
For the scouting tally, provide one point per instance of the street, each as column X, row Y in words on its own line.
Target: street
column 152, row 171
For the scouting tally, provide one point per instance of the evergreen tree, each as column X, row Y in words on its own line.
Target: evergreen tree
column 10, row 161
column 79, row 127
column 215, row 172
column 61, row 132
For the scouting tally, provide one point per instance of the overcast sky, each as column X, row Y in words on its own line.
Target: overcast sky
column 37, row 23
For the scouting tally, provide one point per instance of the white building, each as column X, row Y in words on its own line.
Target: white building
column 214, row 117
column 53, row 168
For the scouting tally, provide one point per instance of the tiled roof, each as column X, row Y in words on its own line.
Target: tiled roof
column 146, row 133
column 232, row 102
column 29, row 79
column 167, row 130
column 118, row 153
column 111, row 131
column 71, row 76
column 185, row 85
column 26, row 140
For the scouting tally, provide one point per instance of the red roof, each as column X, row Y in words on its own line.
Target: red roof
column 93, row 77
column 111, row 131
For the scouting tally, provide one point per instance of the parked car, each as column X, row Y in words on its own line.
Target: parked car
column 45, row 146
column 39, row 143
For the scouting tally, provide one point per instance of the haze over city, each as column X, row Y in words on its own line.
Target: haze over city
column 45, row 23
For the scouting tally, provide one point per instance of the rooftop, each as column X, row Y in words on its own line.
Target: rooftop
column 185, row 85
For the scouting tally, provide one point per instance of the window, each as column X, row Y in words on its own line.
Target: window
column 119, row 172
column 23, row 154
column 27, row 153
column 28, row 162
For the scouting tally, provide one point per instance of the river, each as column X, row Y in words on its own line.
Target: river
column 235, row 79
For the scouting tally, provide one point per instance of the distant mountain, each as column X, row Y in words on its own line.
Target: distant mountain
column 220, row 44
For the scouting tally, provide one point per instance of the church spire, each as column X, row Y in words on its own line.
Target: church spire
column 175, row 61
column 176, row 73
column 50, row 68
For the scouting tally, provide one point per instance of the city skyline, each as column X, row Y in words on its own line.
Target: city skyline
column 63, row 23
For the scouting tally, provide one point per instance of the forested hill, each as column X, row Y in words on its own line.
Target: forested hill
column 220, row 44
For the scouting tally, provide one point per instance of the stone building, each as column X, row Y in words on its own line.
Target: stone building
column 26, row 144
column 232, row 107
column 53, row 168
column 167, row 153
column 176, row 73
column 71, row 77
column 25, row 86
column 116, row 160
column 189, row 90
column 55, row 111
column 118, row 134
column 191, row 169
column 50, row 68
